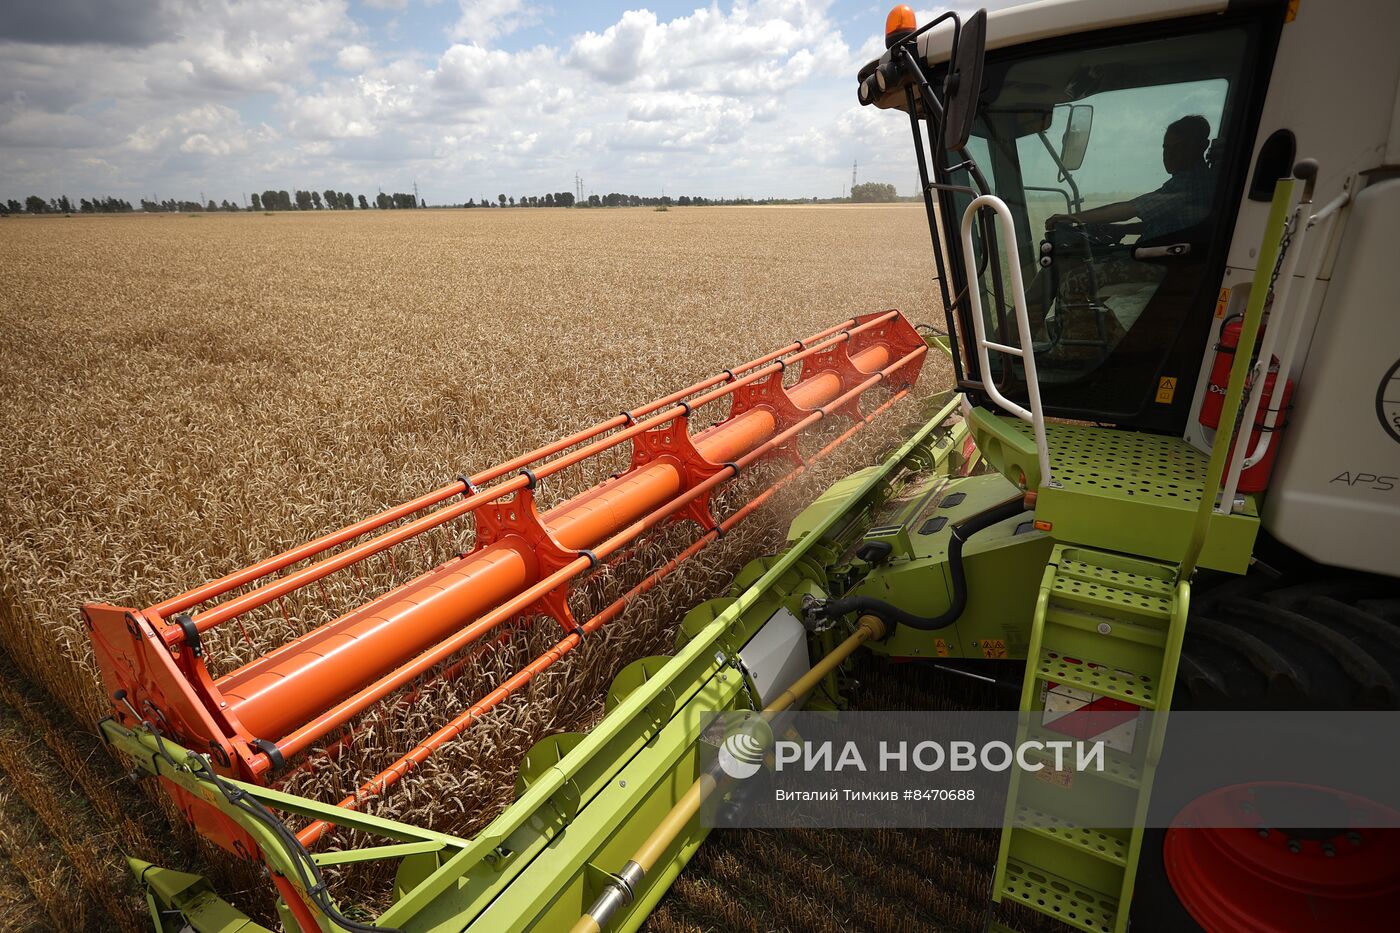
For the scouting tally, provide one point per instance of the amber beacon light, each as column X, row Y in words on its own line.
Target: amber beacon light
column 899, row 24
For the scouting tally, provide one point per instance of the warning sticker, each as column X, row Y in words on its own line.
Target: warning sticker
column 1166, row 390
column 940, row 647
column 1049, row 775
column 1084, row 715
column 970, row 456
column 1222, row 302
column 993, row 648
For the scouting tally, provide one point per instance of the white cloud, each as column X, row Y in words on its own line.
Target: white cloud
column 355, row 58
column 754, row 96
column 483, row 20
column 754, row 49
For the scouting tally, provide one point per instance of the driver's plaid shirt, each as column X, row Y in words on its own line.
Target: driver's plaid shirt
column 1183, row 201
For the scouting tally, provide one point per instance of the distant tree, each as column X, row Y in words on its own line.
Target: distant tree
column 257, row 202
column 271, row 201
column 872, row 192
column 35, row 205
column 14, row 206
column 594, row 201
column 364, row 205
column 382, row 201
column 284, row 200
column 332, row 200
column 303, row 200
column 316, row 200
column 512, row 202
column 502, row 199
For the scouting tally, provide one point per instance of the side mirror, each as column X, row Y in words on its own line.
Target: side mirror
column 963, row 86
column 1075, row 141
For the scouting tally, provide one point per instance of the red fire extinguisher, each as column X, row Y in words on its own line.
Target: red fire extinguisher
column 1255, row 478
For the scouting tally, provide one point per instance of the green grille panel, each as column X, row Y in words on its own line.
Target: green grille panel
column 1096, row 842
column 1067, row 902
column 1137, row 689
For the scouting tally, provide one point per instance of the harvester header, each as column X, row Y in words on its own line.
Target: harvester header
column 253, row 720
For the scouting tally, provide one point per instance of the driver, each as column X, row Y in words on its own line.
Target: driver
column 1183, row 200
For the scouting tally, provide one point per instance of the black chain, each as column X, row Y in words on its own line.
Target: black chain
column 1288, row 231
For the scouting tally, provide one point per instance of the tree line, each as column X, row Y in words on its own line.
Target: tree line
column 37, row 205
column 614, row 199
column 873, row 192
column 265, row 201
column 330, row 199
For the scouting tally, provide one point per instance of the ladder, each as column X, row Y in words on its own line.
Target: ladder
column 1106, row 638
column 1104, row 646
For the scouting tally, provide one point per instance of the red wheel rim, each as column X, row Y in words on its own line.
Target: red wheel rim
column 1235, row 878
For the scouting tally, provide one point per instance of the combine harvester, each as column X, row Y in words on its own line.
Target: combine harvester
column 1052, row 514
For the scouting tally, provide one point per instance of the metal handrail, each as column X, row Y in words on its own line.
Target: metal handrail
column 1225, row 435
column 1325, row 217
column 1035, row 415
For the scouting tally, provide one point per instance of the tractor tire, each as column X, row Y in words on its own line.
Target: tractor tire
column 1304, row 638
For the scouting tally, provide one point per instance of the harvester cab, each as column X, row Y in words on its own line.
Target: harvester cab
column 1139, row 260
column 1109, row 180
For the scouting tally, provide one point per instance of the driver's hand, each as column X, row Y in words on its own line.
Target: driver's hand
column 1054, row 219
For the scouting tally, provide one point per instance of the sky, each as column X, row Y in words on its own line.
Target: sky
column 215, row 99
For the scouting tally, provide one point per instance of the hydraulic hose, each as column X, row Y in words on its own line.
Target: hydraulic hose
column 892, row 615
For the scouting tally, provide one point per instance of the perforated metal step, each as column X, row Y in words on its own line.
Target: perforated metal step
column 1125, row 463
column 1096, row 842
column 1128, row 686
column 1066, row 901
column 1118, row 490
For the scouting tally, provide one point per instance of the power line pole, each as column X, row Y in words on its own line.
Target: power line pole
column 416, row 200
column 853, row 174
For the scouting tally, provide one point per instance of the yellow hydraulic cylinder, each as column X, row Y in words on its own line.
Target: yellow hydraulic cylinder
column 621, row 891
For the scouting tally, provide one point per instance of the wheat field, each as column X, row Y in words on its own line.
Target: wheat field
column 184, row 395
